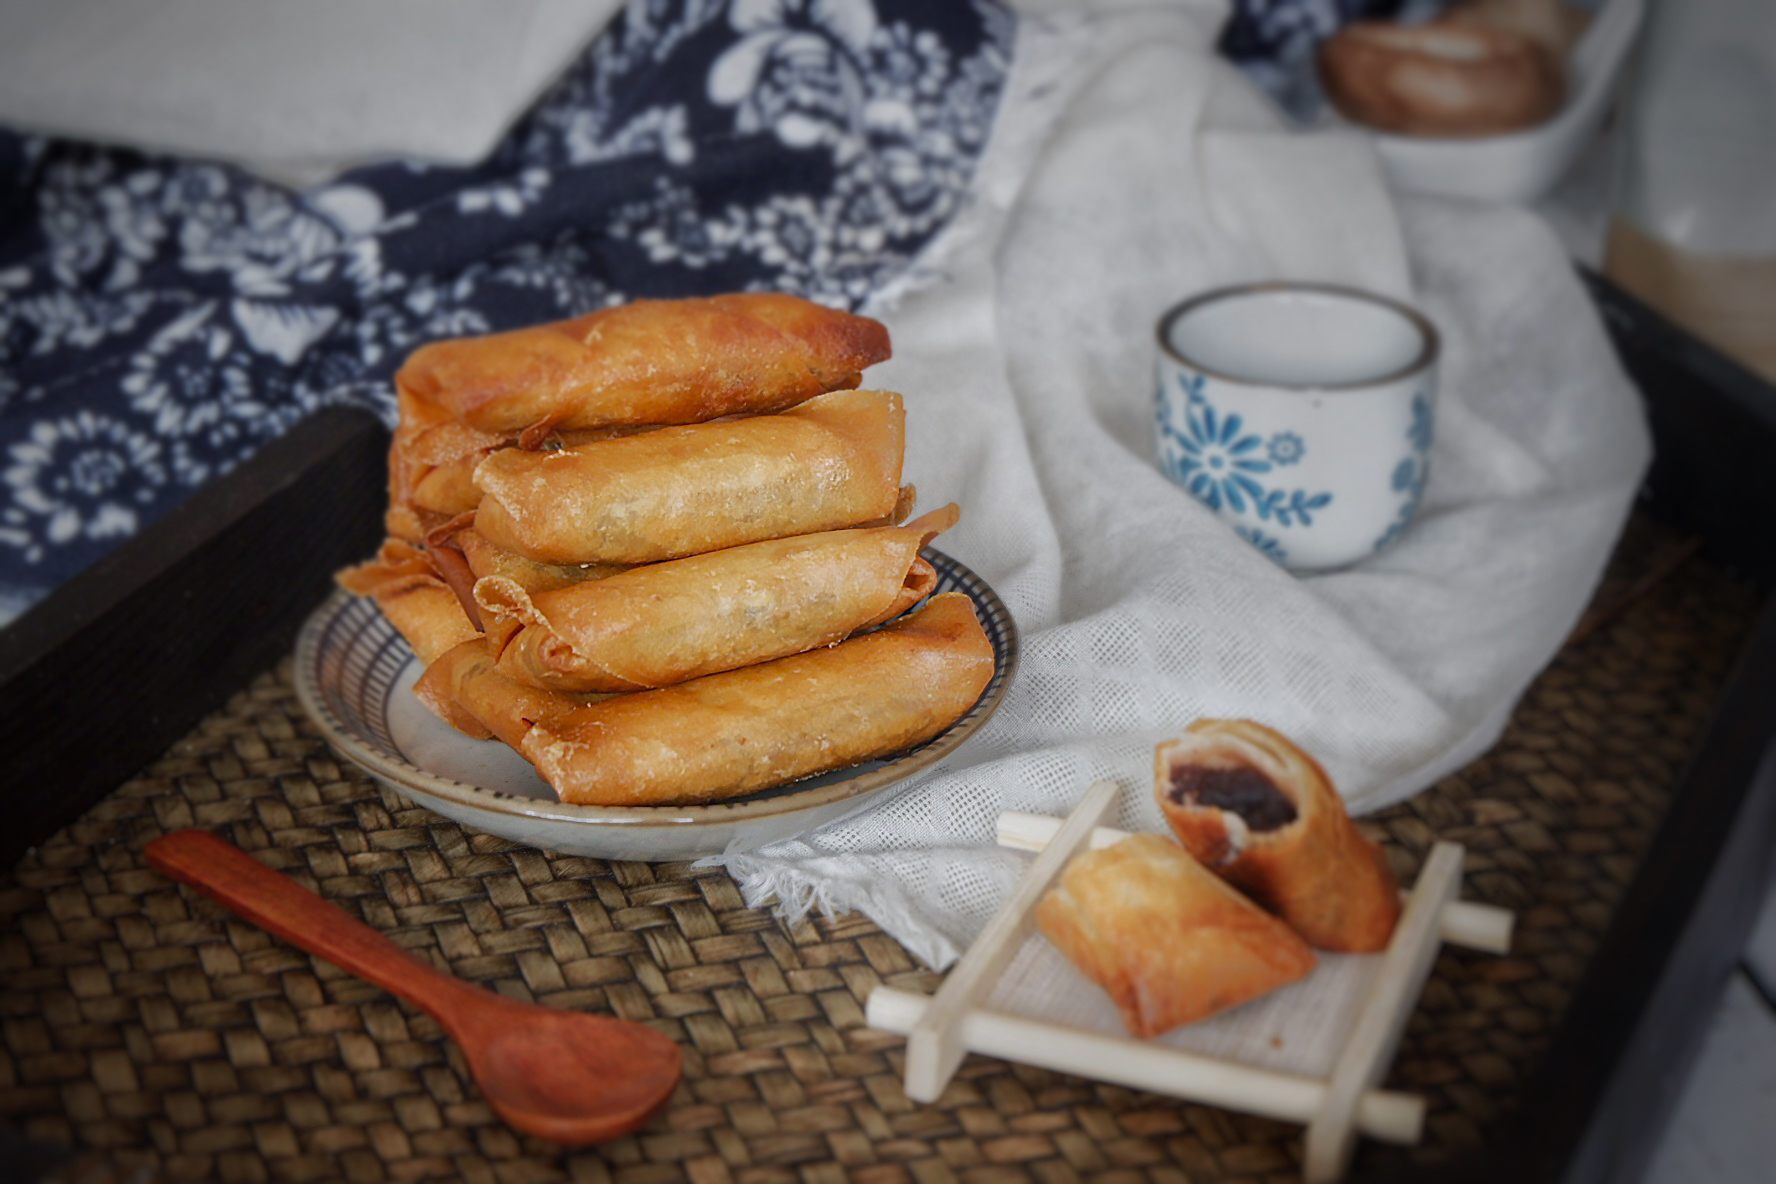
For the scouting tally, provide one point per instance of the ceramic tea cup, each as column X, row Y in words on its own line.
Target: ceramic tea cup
column 1300, row 413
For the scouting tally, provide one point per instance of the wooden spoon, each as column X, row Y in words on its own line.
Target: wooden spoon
column 562, row 1075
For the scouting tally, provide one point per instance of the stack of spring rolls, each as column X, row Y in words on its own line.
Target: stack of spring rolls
column 661, row 550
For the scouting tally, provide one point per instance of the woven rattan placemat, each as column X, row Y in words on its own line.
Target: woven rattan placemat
column 168, row 1040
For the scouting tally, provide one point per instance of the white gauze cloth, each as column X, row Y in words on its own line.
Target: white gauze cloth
column 1131, row 168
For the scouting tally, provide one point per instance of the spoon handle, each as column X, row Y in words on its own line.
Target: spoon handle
column 279, row 905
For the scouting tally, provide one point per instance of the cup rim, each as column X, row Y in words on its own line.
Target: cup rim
column 1429, row 348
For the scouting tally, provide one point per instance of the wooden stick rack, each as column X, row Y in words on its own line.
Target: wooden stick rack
column 942, row 1028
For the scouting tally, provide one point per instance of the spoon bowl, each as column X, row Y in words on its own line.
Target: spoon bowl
column 569, row 1077
column 540, row 1068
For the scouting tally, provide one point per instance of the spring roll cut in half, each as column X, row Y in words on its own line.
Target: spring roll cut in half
column 1167, row 941
column 830, row 463
column 1264, row 816
column 665, row 623
column 649, row 362
column 743, row 730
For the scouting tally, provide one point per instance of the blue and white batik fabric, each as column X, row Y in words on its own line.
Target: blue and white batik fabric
column 162, row 318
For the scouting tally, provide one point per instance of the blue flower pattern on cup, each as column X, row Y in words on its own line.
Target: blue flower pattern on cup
column 1213, row 458
column 1420, row 431
column 1286, row 448
column 1410, row 474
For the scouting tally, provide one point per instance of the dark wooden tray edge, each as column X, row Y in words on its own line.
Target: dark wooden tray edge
column 99, row 679
column 225, row 581
column 1618, row 1064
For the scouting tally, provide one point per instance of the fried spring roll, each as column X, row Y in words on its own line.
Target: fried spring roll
column 1264, row 816
column 432, row 462
column 664, row 623
column 414, row 596
column 743, row 730
column 649, row 362
column 830, row 463
column 462, row 688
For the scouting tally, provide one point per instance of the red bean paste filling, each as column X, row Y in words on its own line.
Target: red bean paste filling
column 1241, row 790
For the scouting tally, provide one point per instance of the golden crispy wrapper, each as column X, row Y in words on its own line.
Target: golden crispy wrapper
column 414, row 596
column 431, row 460
column 462, row 688
column 743, row 730
column 1166, row 940
column 484, row 560
column 648, row 362
column 1263, row 815
column 665, row 623
column 830, row 463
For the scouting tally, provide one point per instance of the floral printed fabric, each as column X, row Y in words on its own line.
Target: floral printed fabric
column 160, row 318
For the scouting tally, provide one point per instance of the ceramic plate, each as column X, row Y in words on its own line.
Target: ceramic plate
column 355, row 675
